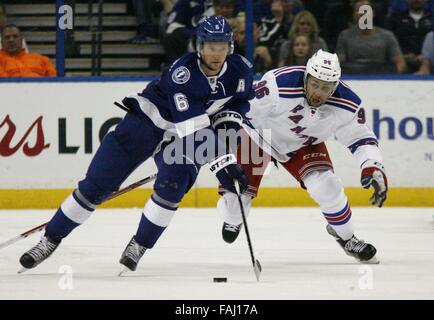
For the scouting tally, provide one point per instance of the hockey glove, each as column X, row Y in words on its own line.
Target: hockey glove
column 227, row 120
column 227, row 170
column 227, row 124
column 373, row 175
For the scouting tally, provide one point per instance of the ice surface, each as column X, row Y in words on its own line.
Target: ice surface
column 299, row 259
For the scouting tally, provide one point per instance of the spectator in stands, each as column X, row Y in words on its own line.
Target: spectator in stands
column 226, row 8
column 262, row 9
column 427, row 56
column 181, row 26
column 272, row 32
column 300, row 51
column 410, row 27
column 368, row 50
column 238, row 25
column 167, row 6
column 304, row 23
column 16, row 62
column 143, row 10
column 3, row 22
column 398, row 6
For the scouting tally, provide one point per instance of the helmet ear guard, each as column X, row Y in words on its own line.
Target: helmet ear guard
column 214, row 29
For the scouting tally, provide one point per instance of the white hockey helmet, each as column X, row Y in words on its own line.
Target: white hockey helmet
column 324, row 66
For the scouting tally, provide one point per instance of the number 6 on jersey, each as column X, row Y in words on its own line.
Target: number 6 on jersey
column 181, row 101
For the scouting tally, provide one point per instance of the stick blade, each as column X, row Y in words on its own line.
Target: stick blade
column 258, row 269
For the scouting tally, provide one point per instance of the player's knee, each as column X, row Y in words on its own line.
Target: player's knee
column 92, row 192
column 324, row 187
column 172, row 186
column 229, row 210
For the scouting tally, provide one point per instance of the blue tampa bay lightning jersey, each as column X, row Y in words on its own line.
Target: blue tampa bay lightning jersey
column 184, row 98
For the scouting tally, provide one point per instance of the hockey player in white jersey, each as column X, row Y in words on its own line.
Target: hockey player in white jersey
column 300, row 108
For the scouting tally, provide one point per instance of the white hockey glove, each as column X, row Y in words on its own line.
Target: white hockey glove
column 373, row 174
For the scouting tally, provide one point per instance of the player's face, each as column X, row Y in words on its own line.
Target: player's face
column 11, row 40
column 318, row 91
column 213, row 56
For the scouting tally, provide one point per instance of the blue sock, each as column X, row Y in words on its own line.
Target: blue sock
column 155, row 219
column 59, row 226
column 74, row 211
column 148, row 233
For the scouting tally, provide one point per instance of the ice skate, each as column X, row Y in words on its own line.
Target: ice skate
column 230, row 232
column 131, row 256
column 38, row 253
column 362, row 251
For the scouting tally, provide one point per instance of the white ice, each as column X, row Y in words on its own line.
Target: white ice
column 299, row 259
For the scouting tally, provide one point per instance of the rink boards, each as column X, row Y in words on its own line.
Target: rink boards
column 50, row 130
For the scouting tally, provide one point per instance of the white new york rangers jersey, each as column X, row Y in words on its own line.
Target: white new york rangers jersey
column 281, row 121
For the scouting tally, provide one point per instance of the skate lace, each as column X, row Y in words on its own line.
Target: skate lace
column 135, row 251
column 231, row 227
column 355, row 245
column 42, row 249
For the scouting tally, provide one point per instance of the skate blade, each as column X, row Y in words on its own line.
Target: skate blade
column 22, row 270
column 123, row 271
column 373, row 260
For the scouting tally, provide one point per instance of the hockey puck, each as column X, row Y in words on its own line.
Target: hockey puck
column 220, row 279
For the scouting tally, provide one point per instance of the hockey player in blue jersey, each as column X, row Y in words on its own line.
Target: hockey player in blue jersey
column 199, row 93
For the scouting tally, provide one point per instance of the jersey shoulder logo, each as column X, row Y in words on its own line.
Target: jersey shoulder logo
column 181, row 75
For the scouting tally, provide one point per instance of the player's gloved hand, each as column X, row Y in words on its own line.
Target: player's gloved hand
column 373, row 174
column 227, row 120
column 227, row 170
column 228, row 123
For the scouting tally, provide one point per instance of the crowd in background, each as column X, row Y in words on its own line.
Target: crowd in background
column 288, row 32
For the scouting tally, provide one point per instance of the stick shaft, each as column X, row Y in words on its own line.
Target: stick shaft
column 255, row 263
column 111, row 196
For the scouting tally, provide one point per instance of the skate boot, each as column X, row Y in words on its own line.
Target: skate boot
column 230, row 232
column 38, row 253
column 359, row 249
column 131, row 255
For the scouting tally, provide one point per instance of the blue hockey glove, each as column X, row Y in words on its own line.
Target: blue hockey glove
column 227, row 170
column 373, row 175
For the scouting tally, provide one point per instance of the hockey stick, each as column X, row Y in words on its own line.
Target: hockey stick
column 256, row 265
column 111, row 196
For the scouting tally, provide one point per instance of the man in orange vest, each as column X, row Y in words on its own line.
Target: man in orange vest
column 16, row 62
